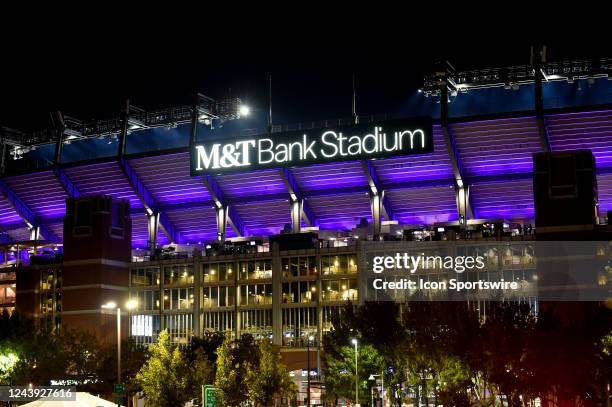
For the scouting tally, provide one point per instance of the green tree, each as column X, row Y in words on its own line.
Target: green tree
column 340, row 372
column 202, row 371
column 164, row 377
column 269, row 378
column 233, row 357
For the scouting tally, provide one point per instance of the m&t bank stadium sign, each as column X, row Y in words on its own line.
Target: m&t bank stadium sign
column 342, row 143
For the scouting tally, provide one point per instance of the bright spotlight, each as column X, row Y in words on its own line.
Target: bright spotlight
column 244, row 110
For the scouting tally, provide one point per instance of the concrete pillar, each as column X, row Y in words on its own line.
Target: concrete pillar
column 34, row 233
column 221, row 223
column 197, row 288
column 376, row 207
column 463, row 203
column 277, row 296
column 296, row 215
column 153, row 228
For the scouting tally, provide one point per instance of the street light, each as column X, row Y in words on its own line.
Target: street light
column 131, row 304
column 354, row 342
column 310, row 338
column 382, row 388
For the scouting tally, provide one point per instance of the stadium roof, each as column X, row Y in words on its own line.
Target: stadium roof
column 495, row 154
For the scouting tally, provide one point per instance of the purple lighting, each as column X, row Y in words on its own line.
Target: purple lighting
column 169, row 179
column 424, row 205
column 321, row 176
column 103, row 178
column 28, row 187
column 500, row 146
column 341, row 211
column 604, row 187
column 495, row 157
column 592, row 130
column 503, row 200
column 417, row 167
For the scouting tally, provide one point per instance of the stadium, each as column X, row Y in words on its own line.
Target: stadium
column 111, row 210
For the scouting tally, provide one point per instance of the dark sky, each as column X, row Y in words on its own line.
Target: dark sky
column 311, row 77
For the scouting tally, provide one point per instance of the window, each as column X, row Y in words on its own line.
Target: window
column 255, row 294
column 180, row 327
column 299, row 266
column 339, row 264
column 257, row 322
column 218, row 321
column 144, row 276
column 217, row 272
column 298, row 325
column 255, row 270
column 178, row 275
column 178, row 298
column 147, row 300
column 299, row 291
column 340, row 290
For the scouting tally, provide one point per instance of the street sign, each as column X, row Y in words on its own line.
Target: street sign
column 119, row 388
column 209, row 396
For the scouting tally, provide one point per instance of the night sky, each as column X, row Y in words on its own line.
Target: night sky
column 311, row 80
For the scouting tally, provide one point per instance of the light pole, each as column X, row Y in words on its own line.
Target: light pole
column 310, row 338
column 112, row 305
column 354, row 341
column 382, row 388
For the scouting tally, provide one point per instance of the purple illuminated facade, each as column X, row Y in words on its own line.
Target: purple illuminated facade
column 494, row 156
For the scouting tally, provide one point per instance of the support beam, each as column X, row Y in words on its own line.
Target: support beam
column 148, row 202
column 300, row 209
column 225, row 212
column 376, row 188
column 152, row 228
column 351, row 190
column 29, row 217
column 141, row 191
column 465, row 208
column 71, row 190
column 538, row 57
column 377, row 209
column 57, row 121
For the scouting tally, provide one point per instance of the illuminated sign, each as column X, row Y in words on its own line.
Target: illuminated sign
column 342, row 143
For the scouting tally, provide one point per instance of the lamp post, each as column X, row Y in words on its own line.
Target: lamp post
column 354, row 342
column 112, row 305
column 310, row 338
column 382, row 388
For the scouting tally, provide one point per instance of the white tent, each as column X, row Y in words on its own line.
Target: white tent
column 82, row 400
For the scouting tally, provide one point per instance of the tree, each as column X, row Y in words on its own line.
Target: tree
column 133, row 357
column 504, row 344
column 202, row 372
column 269, row 377
column 164, row 377
column 340, row 372
column 233, row 357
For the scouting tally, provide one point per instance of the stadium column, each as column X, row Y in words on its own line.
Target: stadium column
column 153, row 227
column 197, row 270
column 221, row 212
column 296, row 218
column 277, row 312
column 375, row 204
column 34, row 233
column 300, row 210
column 379, row 206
